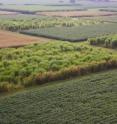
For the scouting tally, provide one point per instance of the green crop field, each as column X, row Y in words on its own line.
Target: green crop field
column 20, row 23
column 41, row 63
column 88, row 100
column 75, row 33
column 67, row 72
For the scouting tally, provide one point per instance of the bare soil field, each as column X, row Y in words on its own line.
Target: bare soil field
column 10, row 39
column 89, row 13
column 8, row 13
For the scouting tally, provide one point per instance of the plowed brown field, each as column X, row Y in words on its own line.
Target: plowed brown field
column 8, row 13
column 10, row 39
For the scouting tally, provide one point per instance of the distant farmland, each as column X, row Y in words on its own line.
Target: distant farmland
column 8, row 13
column 90, row 13
column 78, row 33
column 35, row 8
column 24, row 23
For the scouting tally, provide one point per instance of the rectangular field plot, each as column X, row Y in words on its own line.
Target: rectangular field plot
column 8, row 13
column 19, row 23
column 74, row 33
column 33, row 8
column 9, row 39
column 86, row 13
column 41, row 63
column 76, row 98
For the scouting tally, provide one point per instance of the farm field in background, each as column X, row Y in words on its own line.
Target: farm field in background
column 70, row 101
column 75, row 33
column 8, row 13
column 109, row 19
column 33, row 8
column 86, row 13
column 108, row 9
column 9, row 39
column 21, row 16
column 21, row 23
column 52, row 7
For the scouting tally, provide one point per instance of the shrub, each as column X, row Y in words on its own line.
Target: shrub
column 92, row 41
column 6, row 87
column 108, row 41
column 114, row 43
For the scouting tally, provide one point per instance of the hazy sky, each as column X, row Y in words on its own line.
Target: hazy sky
column 32, row 1
column 29, row 1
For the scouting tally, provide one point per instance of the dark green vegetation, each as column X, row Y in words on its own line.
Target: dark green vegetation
column 105, row 41
column 109, row 9
column 75, row 33
column 88, row 100
column 22, row 23
column 41, row 63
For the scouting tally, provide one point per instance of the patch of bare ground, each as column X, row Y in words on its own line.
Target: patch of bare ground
column 8, row 13
column 11, row 39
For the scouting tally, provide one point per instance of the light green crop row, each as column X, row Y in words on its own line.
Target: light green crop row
column 35, row 23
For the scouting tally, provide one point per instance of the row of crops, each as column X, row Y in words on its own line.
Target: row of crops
column 88, row 100
column 105, row 41
column 74, row 33
column 45, row 62
column 35, row 23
